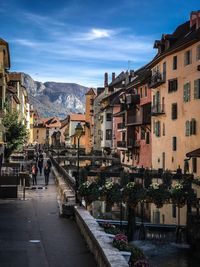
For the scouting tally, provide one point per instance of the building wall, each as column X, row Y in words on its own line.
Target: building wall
column 39, row 135
column 97, row 122
column 186, row 111
column 89, row 112
column 106, row 125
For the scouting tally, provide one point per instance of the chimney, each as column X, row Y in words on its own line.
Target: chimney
column 113, row 76
column 105, row 79
column 195, row 19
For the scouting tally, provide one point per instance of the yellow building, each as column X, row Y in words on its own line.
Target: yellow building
column 175, row 87
column 89, row 120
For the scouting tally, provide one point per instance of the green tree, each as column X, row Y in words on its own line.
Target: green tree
column 16, row 133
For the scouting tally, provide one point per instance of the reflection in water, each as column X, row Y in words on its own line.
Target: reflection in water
column 168, row 255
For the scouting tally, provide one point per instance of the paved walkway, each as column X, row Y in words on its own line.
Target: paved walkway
column 33, row 235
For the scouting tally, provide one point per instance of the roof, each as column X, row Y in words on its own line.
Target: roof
column 14, row 76
column 194, row 154
column 52, row 122
column 121, row 77
column 91, row 92
column 77, row 117
column 183, row 36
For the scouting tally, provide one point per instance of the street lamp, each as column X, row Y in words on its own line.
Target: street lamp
column 78, row 133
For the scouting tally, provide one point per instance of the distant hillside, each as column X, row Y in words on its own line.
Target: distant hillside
column 55, row 99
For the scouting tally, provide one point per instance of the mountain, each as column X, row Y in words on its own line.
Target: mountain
column 55, row 99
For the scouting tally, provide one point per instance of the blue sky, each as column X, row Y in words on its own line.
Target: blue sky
column 78, row 40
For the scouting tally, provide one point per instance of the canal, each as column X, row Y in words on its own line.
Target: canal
column 168, row 254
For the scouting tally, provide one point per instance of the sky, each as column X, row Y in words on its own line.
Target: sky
column 79, row 40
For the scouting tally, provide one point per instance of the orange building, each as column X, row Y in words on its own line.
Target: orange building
column 89, row 119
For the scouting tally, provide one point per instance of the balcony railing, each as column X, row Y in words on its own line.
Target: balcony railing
column 157, row 110
column 121, row 144
column 132, row 143
column 132, row 99
column 121, row 126
column 157, row 79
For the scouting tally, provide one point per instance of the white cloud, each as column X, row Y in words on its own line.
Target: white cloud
column 25, row 42
column 95, row 33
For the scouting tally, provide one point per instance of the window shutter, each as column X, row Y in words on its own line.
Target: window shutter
column 187, row 128
column 185, row 93
column 197, row 89
column 188, row 91
column 193, row 126
column 174, row 111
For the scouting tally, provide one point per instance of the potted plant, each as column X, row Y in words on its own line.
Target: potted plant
column 158, row 194
column 111, row 193
column 120, row 241
column 178, row 195
column 89, row 191
column 133, row 193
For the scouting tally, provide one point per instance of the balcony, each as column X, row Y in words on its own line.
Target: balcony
column 121, row 126
column 134, row 120
column 132, row 143
column 157, row 110
column 157, row 79
column 121, row 144
column 132, row 99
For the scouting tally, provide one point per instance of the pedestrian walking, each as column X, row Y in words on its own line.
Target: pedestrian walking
column 49, row 163
column 40, row 161
column 34, row 172
column 47, row 171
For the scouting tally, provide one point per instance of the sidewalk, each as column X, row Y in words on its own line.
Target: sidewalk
column 33, row 235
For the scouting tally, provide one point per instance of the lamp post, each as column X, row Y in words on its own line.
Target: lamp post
column 78, row 133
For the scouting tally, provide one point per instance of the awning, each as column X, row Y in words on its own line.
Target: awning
column 193, row 154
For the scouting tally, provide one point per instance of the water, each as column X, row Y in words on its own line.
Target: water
column 168, row 255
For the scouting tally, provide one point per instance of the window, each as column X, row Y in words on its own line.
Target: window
column 157, row 128
column 190, row 127
column 141, row 92
column 147, row 138
column 145, row 91
column 108, row 116
column 197, row 89
column 172, row 85
column 186, row 92
column 174, row 143
column 109, row 134
column 198, row 52
column 142, row 134
column 187, row 128
column 174, row 62
column 194, row 165
column 174, row 210
column 188, row 57
column 174, row 111
column 193, row 127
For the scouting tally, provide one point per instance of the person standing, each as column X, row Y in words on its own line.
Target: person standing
column 47, row 170
column 40, row 161
column 34, row 172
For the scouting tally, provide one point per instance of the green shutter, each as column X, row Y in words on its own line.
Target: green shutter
column 187, row 128
column 185, row 93
column 197, row 89
column 192, row 126
column 188, row 91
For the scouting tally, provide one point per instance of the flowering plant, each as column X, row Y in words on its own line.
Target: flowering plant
column 178, row 195
column 137, row 256
column 89, row 190
column 111, row 229
column 158, row 194
column 120, row 241
column 133, row 193
column 111, row 192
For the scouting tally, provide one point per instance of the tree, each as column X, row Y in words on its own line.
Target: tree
column 16, row 133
